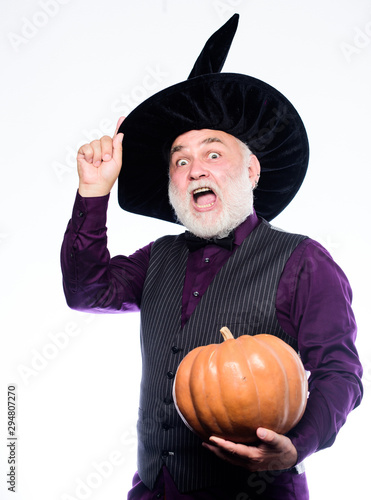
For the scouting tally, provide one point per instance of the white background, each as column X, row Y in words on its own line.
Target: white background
column 69, row 69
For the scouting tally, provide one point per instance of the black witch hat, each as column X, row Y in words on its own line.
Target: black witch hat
column 240, row 105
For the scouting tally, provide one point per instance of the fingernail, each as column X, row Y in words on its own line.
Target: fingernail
column 215, row 439
column 107, row 157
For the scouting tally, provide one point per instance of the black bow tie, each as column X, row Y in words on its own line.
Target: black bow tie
column 194, row 242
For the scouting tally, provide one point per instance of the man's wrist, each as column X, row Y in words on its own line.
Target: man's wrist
column 91, row 191
column 90, row 212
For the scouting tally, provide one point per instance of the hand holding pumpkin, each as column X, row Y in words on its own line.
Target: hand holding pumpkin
column 274, row 452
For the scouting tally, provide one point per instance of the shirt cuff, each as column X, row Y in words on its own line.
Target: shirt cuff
column 90, row 212
column 305, row 442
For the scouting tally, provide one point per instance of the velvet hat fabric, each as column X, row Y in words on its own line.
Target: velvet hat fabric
column 240, row 105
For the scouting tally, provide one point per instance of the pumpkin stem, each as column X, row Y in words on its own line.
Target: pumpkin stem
column 226, row 333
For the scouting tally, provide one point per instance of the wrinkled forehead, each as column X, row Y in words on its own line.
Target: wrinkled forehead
column 203, row 136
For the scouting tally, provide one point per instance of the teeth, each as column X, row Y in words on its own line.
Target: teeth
column 201, row 190
column 205, row 206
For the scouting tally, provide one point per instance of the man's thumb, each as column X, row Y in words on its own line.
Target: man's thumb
column 117, row 147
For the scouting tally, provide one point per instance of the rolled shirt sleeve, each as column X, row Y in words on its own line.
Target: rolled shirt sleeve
column 314, row 305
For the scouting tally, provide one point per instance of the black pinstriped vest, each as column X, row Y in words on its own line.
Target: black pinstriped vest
column 241, row 297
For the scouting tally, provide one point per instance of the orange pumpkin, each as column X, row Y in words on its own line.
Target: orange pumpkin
column 231, row 389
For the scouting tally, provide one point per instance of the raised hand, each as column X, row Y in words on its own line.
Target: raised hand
column 99, row 164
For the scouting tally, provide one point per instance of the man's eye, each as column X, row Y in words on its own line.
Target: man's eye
column 213, row 156
column 182, row 163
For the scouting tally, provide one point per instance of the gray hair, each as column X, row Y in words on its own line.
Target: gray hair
column 246, row 151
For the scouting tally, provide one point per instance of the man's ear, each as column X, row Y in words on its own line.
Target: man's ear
column 254, row 170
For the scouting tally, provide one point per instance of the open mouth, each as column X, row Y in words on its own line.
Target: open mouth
column 204, row 197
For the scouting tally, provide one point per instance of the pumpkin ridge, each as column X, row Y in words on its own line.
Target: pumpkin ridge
column 236, row 408
column 228, row 423
column 199, row 401
column 182, row 392
column 195, row 375
column 291, row 417
column 215, row 424
column 257, row 398
column 286, row 396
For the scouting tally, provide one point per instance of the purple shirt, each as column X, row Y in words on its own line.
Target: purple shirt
column 313, row 305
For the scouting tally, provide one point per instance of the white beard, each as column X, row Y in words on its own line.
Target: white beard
column 237, row 205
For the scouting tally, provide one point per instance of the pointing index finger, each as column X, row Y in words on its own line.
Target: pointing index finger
column 121, row 119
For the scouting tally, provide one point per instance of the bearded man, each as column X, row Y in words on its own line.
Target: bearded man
column 229, row 152
column 212, row 175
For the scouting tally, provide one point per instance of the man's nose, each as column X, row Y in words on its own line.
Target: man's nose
column 197, row 170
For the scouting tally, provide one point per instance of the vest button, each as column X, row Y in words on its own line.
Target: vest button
column 196, row 294
column 170, row 374
column 166, row 427
column 168, row 400
column 175, row 349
